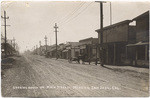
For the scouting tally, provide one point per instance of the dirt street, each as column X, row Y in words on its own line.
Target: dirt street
column 32, row 75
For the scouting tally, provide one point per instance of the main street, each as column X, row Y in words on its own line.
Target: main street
column 33, row 75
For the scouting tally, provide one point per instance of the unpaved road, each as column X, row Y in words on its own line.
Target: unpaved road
column 37, row 76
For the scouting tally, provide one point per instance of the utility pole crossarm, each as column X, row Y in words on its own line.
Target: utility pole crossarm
column 4, row 17
column 101, row 1
column 5, row 25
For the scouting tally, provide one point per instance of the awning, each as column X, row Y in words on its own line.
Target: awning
column 83, row 47
column 65, row 50
column 138, row 44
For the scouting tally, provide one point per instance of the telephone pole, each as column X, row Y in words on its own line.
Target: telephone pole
column 101, row 57
column 34, row 49
column 110, row 14
column 14, row 43
column 40, row 46
column 11, row 43
column 4, row 17
column 37, row 49
column 56, row 27
column 45, row 42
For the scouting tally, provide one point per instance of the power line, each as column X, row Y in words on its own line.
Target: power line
column 78, row 13
column 72, row 13
column 54, row 20
column 68, row 15
column 73, row 16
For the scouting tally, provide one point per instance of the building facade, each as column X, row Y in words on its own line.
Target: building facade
column 140, row 49
column 88, row 47
column 71, row 50
column 114, row 40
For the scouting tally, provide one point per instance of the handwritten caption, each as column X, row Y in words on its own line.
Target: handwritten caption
column 68, row 87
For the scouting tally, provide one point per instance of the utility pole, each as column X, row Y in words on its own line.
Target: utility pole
column 34, row 49
column 4, row 17
column 56, row 27
column 14, row 43
column 110, row 14
column 40, row 46
column 101, row 54
column 37, row 49
column 11, row 43
column 45, row 42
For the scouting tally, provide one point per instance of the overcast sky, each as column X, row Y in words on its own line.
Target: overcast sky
column 31, row 21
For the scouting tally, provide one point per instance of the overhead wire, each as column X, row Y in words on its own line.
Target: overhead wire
column 55, row 19
column 78, row 13
column 72, row 13
column 68, row 15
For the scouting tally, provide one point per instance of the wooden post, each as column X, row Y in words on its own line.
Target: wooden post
column 5, row 45
column 146, row 52
column 56, row 27
column 96, row 55
column 107, row 53
column 40, row 46
column 101, row 33
column 136, row 55
column 114, row 53
column 126, row 53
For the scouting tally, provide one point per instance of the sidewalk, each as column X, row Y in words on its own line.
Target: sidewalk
column 128, row 69
column 118, row 68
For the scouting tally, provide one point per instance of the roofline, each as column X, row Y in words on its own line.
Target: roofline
column 113, row 25
column 141, row 15
column 87, row 39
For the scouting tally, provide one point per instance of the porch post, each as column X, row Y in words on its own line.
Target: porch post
column 136, row 55
column 96, row 55
column 107, row 54
column 126, row 53
column 114, row 53
column 146, row 52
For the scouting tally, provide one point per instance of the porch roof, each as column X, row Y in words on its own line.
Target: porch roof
column 138, row 44
column 65, row 50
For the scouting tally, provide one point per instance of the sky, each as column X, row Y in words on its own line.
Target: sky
column 31, row 21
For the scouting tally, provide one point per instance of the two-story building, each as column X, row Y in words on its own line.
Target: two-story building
column 140, row 49
column 71, row 50
column 88, row 47
column 114, row 40
column 60, row 50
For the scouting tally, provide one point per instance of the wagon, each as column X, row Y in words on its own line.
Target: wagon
column 82, row 59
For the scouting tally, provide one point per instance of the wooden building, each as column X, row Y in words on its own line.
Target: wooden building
column 51, row 52
column 115, row 38
column 10, row 49
column 71, row 50
column 60, row 50
column 139, row 54
column 88, row 47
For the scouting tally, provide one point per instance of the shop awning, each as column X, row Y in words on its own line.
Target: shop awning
column 65, row 50
column 138, row 44
column 83, row 47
